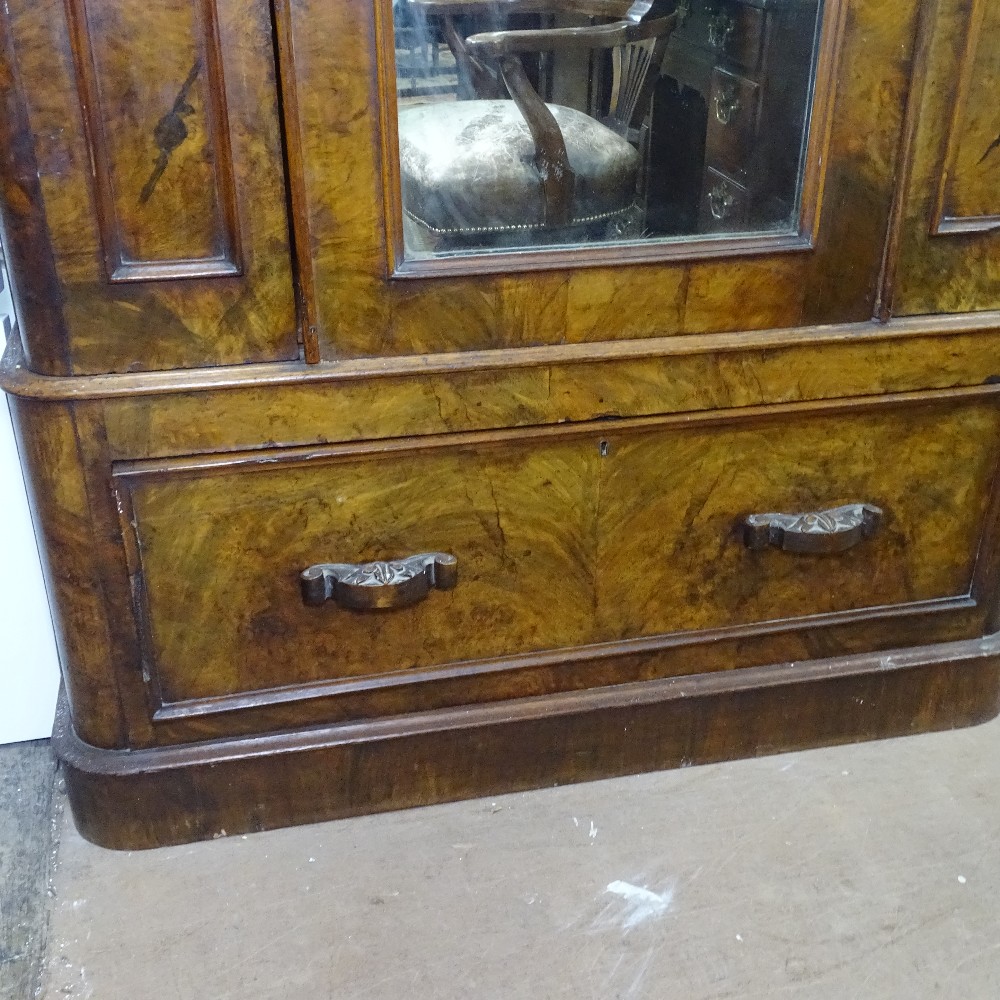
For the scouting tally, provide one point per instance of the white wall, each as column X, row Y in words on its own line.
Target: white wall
column 29, row 673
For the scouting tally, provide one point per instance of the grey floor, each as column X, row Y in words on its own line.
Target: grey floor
column 28, row 816
column 858, row 872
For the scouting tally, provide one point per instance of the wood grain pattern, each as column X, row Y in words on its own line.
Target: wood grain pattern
column 350, row 409
column 565, row 537
column 164, row 414
column 581, row 668
column 588, row 441
column 170, row 213
column 855, row 217
column 671, row 546
column 968, row 199
column 525, row 578
column 109, row 571
column 48, row 445
column 139, row 66
column 942, row 265
column 945, row 340
column 169, row 414
column 29, row 257
column 305, row 293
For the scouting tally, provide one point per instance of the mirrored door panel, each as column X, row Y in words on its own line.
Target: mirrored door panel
column 540, row 124
column 470, row 175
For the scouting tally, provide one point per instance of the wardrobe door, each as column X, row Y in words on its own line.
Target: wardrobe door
column 949, row 237
column 755, row 193
column 147, row 202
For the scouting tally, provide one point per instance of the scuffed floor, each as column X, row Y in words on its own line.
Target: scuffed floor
column 858, row 872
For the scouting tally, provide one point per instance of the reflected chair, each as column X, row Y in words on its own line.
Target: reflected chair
column 516, row 172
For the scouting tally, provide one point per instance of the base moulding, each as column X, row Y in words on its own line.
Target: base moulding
column 153, row 797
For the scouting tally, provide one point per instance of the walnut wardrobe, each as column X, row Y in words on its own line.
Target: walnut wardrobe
column 437, row 398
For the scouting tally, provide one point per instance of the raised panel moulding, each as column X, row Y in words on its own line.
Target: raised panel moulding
column 154, row 105
column 968, row 198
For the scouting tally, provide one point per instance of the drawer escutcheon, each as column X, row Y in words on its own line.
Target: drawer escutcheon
column 379, row 586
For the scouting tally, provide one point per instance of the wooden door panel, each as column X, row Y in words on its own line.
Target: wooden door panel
column 949, row 228
column 342, row 135
column 171, row 211
column 154, row 130
column 969, row 191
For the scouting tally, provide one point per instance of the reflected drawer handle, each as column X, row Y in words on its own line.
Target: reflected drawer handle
column 720, row 27
column 727, row 104
column 822, row 531
column 379, row 586
column 720, row 201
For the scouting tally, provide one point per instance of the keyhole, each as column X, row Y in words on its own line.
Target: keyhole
column 605, row 449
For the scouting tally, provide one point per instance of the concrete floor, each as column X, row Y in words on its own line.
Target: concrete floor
column 858, row 872
column 27, row 827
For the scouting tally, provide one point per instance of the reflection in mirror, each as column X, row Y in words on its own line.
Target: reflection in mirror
column 560, row 123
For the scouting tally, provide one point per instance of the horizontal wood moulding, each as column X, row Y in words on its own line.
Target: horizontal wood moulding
column 771, row 676
column 146, row 798
column 17, row 379
column 687, row 655
column 619, row 254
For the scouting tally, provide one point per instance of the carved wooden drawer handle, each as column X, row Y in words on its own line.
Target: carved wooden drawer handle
column 379, row 586
column 823, row 531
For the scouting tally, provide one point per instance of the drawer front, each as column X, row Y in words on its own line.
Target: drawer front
column 222, row 551
column 562, row 537
column 732, row 123
column 678, row 505
column 737, row 34
column 730, row 30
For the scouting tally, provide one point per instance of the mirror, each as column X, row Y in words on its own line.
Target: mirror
column 529, row 124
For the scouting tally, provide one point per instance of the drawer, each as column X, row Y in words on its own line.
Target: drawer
column 737, row 32
column 725, row 204
column 730, row 31
column 732, row 123
column 561, row 537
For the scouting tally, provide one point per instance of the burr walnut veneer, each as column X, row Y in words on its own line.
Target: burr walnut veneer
column 332, row 528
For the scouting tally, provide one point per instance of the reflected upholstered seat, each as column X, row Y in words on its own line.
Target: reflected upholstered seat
column 469, row 168
column 520, row 171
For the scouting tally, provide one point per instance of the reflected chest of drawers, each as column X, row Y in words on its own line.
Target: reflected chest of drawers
column 385, row 446
column 745, row 62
